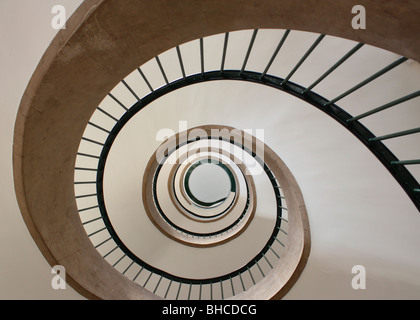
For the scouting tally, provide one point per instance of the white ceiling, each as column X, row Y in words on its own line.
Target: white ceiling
column 358, row 214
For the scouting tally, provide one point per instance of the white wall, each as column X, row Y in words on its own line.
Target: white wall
column 25, row 33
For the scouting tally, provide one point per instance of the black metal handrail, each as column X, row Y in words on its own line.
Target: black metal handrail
column 196, row 234
column 374, row 143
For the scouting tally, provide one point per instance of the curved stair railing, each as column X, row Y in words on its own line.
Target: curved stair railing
column 89, row 178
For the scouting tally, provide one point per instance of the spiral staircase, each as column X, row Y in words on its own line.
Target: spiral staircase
column 177, row 190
